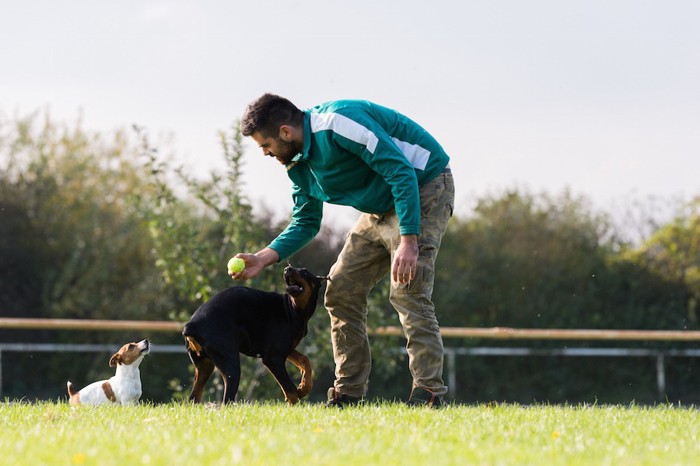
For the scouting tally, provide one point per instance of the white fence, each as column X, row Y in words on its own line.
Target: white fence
column 451, row 353
column 659, row 355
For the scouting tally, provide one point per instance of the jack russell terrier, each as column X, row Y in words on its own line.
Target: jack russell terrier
column 124, row 388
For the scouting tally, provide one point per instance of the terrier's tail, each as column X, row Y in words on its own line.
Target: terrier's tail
column 73, row 396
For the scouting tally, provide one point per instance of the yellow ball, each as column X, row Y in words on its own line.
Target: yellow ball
column 236, row 265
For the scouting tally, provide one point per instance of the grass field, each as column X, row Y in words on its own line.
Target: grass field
column 309, row 434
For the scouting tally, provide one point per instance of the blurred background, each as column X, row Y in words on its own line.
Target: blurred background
column 573, row 132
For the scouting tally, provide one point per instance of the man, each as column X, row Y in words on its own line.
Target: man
column 357, row 153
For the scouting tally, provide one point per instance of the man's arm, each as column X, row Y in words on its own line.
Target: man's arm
column 305, row 224
column 306, row 219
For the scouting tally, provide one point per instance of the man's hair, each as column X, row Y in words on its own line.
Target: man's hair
column 267, row 113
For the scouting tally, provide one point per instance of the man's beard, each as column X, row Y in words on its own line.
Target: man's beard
column 287, row 151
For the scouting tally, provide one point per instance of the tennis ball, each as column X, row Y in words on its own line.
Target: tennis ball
column 236, row 265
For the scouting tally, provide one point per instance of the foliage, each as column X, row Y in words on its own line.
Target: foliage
column 673, row 253
column 392, row 434
column 194, row 241
column 522, row 261
column 536, row 261
column 72, row 244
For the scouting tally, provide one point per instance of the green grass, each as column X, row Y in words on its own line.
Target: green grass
column 309, row 434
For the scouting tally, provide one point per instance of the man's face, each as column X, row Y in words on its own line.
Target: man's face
column 276, row 147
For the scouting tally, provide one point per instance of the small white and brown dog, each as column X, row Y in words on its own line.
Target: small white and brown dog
column 125, row 387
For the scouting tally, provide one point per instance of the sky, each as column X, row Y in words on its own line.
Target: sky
column 597, row 97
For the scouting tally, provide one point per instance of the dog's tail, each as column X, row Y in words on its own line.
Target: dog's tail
column 73, row 396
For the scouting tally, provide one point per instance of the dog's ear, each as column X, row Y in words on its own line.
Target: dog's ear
column 115, row 359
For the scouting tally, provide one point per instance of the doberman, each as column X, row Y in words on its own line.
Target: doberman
column 259, row 324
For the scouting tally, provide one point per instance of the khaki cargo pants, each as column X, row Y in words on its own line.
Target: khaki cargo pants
column 365, row 259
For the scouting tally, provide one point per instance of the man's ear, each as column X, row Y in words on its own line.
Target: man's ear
column 286, row 133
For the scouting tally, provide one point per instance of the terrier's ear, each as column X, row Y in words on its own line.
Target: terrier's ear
column 115, row 359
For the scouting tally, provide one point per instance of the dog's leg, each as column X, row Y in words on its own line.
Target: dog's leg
column 229, row 366
column 203, row 368
column 304, row 365
column 279, row 371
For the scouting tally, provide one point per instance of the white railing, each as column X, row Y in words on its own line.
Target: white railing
column 659, row 355
column 451, row 353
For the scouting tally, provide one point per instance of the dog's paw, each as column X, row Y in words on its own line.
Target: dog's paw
column 291, row 398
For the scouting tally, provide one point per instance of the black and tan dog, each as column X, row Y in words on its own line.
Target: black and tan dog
column 256, row 323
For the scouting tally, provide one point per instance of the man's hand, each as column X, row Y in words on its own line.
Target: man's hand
column 254, row 263
column 403, row 270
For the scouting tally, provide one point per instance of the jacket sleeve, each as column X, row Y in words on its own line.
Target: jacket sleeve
column 305, row 224
column 377, row 149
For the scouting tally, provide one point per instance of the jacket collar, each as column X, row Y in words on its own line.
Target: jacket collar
column 304, row 155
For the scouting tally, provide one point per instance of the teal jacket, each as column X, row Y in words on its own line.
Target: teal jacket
column 363, row 155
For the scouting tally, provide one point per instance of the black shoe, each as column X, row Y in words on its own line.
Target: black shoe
column 424, row 397
column 338, row 400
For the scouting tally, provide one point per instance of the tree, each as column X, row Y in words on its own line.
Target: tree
column 672, row 254
column 523, row 261
column 194, row 236
column 70, row 234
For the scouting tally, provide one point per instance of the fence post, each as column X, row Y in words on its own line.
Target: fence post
column 451, row 371
column 661, row 376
